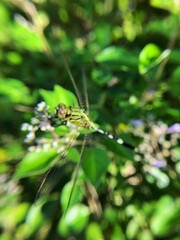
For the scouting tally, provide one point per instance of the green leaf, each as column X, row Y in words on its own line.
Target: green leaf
column 74, row 221
column 57, row 96
column 94, row 231
column 174, row 85
column 15, row 90
column 111, row 215
column 118, row 232
column 169, row 5
column 148, row 57
column 100, row 77
column 103, row 33
column 65, row 194
column 163, row 27
column 34, row 218
column 14, row 58
column 73, row 154
column 95, row 163
column 132, row 229
column 24, row 37
column 166, row 216
column 145, row 234
column 121, row 151
column 117, row 57
column 35, row 163
column 15, row 215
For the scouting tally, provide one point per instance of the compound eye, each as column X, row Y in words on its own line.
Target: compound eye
column 61, row 111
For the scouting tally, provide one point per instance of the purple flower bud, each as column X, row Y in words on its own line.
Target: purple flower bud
column 160, row 163
column 137, row 122
column 175, row 128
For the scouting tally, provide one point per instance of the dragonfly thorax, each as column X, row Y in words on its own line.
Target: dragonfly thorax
column 72, row 115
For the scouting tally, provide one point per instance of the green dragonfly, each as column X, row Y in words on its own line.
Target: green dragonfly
column 76, row 119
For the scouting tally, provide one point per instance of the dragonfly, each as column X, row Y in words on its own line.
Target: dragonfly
column 69, row 116
column 79, row 116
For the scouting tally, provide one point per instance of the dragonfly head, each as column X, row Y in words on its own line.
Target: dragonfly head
column 62, row 112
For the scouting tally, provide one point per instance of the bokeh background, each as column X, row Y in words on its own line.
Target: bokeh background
column 129, row 53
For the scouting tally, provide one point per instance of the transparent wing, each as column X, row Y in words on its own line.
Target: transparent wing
column 76, row 172
column 55, row 172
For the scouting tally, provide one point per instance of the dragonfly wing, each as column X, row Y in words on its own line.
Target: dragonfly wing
column 54, row 173
column 76, row 172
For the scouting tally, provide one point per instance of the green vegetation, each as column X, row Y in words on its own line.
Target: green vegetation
column 129, row 53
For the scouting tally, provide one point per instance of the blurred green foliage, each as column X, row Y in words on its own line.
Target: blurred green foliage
column 129, row 53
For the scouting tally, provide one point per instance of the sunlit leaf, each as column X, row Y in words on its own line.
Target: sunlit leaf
column 13, row 58
column 74, row 221
column 148, row 57
column 118, row 232
column 132, row 229
column 15, row 90
column 34, row 219
column 145, row 234
column 169, row 5
column 13, row 216
column 59, row 95
column 65, row 194
column 94, row 231
column 35, row 162
column 26, row 38
column 166, row 216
